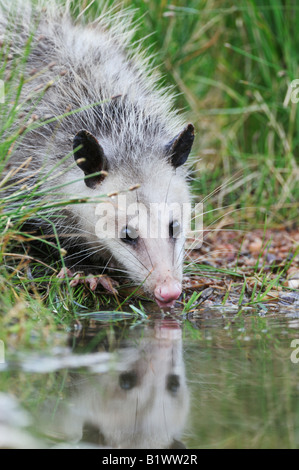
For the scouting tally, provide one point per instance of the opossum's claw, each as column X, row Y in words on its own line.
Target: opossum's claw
column 64, row 273
column 93, row 282
column 103, row 280
column 78, row 279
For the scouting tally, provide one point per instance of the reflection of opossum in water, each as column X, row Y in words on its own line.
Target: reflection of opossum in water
column 134, row 136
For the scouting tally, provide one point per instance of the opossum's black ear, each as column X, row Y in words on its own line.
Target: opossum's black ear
column 90, row 157
column 179, row 148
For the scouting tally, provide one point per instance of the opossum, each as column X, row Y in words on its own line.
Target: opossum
column 127, row 139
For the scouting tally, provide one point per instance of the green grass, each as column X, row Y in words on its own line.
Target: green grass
column 231, row 66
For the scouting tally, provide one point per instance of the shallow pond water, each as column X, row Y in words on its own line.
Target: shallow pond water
column 218, row 378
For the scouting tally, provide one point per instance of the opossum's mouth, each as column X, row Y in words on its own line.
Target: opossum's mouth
column 165, row 305
column 167, row 293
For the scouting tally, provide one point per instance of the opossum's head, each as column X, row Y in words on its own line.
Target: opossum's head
column 143, row 230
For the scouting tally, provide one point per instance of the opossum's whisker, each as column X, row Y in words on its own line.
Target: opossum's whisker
column 179, row 258
column 77, row 229
column 138, row 274
column 180, row 253
column 80, row 261
column 135, row 264
column 86, row 220
column 173, row 255
column 204, row 256
column 105, row 267
column 69, row 237
column 212, row 210
column 223, row 185
column 131, row 253
column 91, row 243
column 206, row 229
column 89, row 252
column 74, row 236
column 144, row 244
column 116, row 251
column 115, row 270
column 118, row 270
column 166, row 197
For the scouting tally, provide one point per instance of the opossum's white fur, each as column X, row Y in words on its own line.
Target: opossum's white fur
column 91, row 63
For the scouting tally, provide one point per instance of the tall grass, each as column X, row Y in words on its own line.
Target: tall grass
column 233, row 65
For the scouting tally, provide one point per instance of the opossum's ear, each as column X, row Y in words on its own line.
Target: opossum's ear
column 90, row 157
column 179, row 148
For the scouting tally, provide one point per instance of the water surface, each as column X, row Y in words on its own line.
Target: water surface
column 219, row 378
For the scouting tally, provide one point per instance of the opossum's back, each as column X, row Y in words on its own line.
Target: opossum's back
column 97, row 56
column 80, row 65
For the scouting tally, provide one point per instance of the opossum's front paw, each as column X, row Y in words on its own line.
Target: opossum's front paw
column 92, row 281
column 64, row 273
column 105, row 281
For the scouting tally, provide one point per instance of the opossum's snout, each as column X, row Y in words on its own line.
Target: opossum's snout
column 167, row 293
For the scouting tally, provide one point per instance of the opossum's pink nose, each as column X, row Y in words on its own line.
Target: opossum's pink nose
column 167, row 293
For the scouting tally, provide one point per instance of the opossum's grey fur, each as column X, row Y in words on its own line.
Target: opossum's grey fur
column 133, row 121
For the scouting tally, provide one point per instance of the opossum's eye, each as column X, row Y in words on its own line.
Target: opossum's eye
column 129, row 235
column 128, row 380
column 174, row 229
